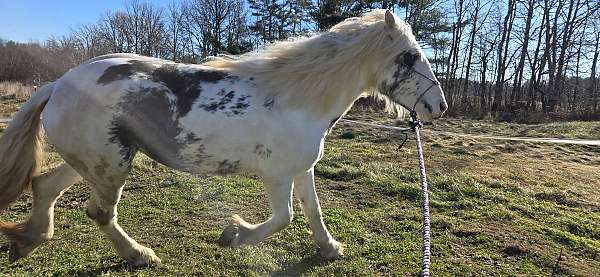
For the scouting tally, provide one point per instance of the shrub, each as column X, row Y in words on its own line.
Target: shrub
column 14, row 90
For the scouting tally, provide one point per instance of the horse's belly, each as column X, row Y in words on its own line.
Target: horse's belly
column 222, row 145
column 257, row 142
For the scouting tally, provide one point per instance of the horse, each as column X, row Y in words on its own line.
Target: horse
column 265, row 113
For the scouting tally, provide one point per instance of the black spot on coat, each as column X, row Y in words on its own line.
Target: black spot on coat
column 262, row 151
column 228, row 167
column 124, row 71
column 212, row 106
column 400, row 75
column 145, row 122
column 427, row 105
column 269, row 103
column 240, row 106
column 226, row 103
column 184, row 84
column 191, row 138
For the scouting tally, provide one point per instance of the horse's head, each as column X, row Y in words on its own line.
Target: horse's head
column 406, row 77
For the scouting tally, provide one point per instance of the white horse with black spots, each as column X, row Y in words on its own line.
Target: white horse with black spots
column 266, row 113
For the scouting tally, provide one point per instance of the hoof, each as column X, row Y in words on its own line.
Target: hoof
column 21, row 244
column 20, row 250
column 333, row 251
column 231, row 235
column 143, row 257
column 15, row 252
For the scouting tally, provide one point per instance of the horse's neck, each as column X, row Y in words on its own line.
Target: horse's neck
column 345, row 101
column 344, row 93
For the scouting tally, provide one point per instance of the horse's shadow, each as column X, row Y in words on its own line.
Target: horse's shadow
column 98, row 271
column 294, row 269
column 301, row 267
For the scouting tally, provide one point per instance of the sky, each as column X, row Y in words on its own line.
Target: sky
column 36, row 20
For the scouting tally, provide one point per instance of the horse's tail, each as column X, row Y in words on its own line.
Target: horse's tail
column 21, row 148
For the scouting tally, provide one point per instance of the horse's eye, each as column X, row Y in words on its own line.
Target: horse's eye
column 410, row 59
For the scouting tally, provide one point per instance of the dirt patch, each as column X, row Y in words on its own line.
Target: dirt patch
column 515, row 250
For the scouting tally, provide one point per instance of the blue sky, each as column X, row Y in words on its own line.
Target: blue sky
column 36, row 20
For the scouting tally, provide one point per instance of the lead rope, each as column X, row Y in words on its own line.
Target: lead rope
column 416, row 125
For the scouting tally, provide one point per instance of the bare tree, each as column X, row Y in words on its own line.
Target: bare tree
column 502, row 53
column 518, row 79
column 452, row 60
column 493, row 57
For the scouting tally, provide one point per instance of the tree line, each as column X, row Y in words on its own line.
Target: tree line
column 523, row 56
column 492, row 57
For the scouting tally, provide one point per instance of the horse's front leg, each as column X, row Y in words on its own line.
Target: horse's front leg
column 280, row 197
column 304, row 186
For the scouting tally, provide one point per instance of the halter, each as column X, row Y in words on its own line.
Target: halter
column 433, row 84
column 411, row 69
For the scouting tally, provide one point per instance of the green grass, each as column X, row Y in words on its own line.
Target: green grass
column 497, row 209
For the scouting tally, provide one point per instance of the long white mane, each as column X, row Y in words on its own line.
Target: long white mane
column 315, row 69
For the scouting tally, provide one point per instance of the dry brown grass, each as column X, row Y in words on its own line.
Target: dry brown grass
column 12, row 95
column 15, row 90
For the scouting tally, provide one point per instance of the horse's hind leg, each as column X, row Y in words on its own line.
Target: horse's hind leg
column 102, row 208
column 47, row 188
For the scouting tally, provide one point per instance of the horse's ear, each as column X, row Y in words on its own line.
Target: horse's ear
column 390, row 21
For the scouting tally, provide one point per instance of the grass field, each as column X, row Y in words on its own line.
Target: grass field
column 498, row 208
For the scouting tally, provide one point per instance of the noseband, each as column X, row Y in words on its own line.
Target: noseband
column 433, row 84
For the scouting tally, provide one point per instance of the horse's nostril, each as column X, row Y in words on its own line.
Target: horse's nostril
column 443, row 106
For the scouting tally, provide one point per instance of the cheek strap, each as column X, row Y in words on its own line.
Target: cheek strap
column 433, row 84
